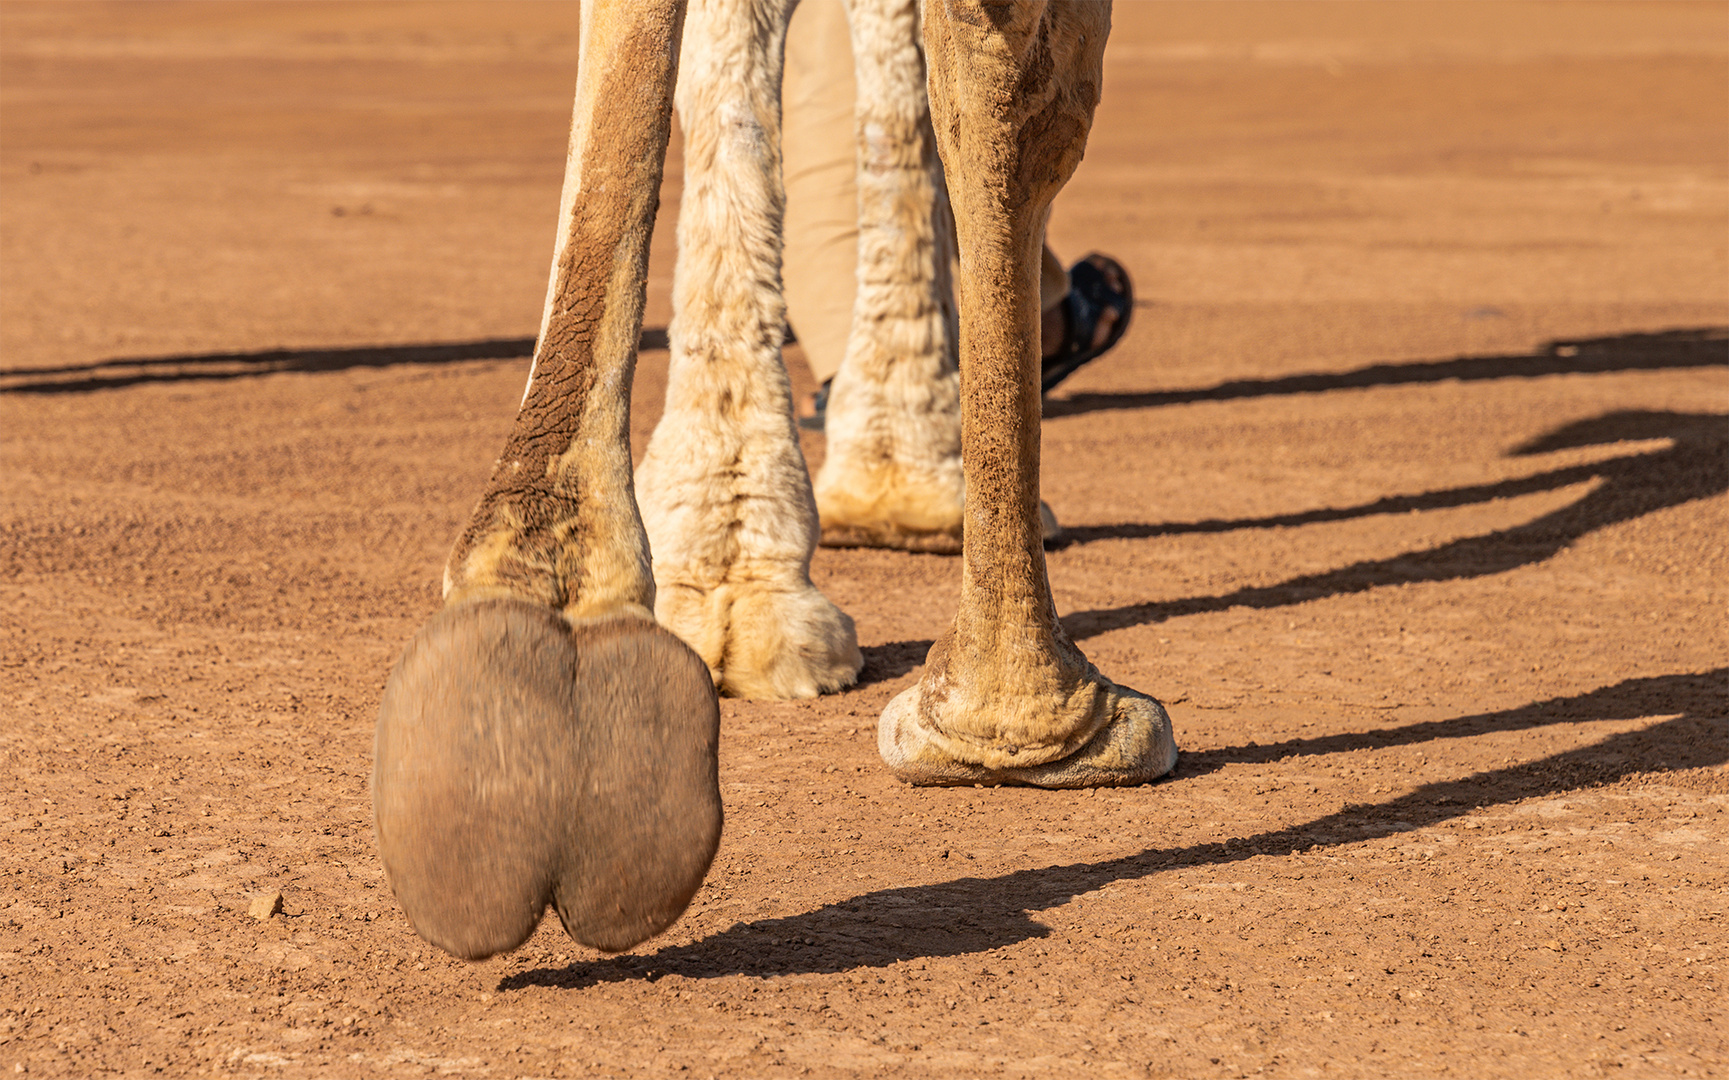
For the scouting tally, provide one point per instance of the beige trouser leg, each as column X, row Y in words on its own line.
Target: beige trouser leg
column 820, row 261
column 821, row 254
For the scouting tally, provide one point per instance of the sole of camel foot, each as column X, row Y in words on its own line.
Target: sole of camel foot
column 522, row 761
column 1135, row 745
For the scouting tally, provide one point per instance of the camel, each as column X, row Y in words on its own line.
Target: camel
column 550, row 735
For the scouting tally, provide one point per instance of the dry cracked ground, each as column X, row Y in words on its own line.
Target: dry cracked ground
column 1406, row 490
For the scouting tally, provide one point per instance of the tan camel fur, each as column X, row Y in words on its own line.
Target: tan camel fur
column 1005, row 695
column 724, row 490
column 611, row 809
column 892, row 473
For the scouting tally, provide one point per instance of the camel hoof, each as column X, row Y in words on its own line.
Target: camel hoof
column 1134, row 745
column 761, row 641
column 883, row 504
column 521, row 761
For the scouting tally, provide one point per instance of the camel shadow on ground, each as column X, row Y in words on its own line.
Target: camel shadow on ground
column 119, row 372
column 1693, row 347
column 974, row 915
column 1655, row 351
column 1694, row 466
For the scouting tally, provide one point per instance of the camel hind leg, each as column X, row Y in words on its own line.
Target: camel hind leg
column 892, row 473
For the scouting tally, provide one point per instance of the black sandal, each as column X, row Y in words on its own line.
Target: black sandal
column 1090, row 295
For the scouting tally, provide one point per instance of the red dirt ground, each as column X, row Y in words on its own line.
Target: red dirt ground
column 1406, row 491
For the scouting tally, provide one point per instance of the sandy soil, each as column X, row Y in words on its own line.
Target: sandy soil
column 1406, row 491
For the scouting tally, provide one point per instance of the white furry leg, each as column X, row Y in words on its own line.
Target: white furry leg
column 892, row 476
column 724, row 491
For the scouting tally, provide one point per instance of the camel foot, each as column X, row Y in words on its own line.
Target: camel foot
column 762, row 641
column 885, row 504
column 1134, row 745
column 521, row 761
column 888, row 534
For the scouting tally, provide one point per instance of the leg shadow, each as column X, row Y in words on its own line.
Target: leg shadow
column 891, row 660
column 973, row 915
column 1695, row 466
column 205, row 367
column 1663, row 350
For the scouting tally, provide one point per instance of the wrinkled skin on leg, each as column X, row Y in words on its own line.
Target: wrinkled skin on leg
column 892, row 473
column 1006, row 697
column 541, row 740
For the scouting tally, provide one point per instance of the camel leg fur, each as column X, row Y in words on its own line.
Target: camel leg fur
column 892, row 473
column 724, row 490
column 891, row 476
column 541, row 739
column 1006, row 697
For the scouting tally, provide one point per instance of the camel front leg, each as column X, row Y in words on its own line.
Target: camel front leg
column 723, row 487
column 1006, row 697
column 541, row 740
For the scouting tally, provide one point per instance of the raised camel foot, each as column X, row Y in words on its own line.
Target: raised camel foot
column 522, row 761
column 763, row 641
column 1133, row 745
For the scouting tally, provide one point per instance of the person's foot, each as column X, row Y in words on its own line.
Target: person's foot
column 1089, row 321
